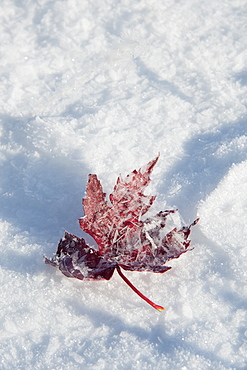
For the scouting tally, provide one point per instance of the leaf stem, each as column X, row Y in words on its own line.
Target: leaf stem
column 159, row 308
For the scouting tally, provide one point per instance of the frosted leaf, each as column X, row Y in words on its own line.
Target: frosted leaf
column 123, row 238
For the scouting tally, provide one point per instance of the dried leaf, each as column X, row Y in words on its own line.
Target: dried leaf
column 123, row 238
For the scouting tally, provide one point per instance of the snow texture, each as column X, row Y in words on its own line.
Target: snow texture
column 101, row 87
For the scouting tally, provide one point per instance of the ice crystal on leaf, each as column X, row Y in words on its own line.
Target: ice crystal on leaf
column 124, row 240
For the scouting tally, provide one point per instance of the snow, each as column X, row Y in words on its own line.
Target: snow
column 102, row 87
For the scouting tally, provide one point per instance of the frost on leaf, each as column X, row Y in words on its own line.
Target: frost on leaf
column 109, row 224
column 124, row 239
column 76, row 259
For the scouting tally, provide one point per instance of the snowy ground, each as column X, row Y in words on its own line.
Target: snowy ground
column 101, row 87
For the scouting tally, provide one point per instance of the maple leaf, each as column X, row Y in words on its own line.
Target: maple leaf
column 124, row 240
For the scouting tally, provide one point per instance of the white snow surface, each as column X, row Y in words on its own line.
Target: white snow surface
column 101, row 87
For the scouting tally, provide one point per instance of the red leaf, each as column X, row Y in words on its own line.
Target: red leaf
column 76, row 259
column 108, row 224
column 123, row 238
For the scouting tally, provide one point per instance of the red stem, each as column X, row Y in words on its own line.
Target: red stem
column 159, row 308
